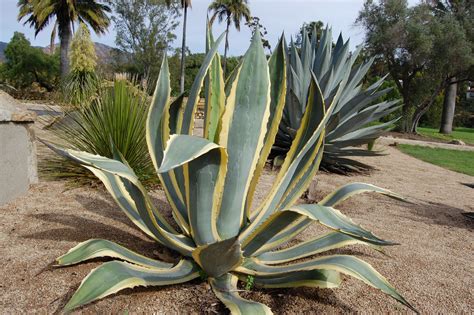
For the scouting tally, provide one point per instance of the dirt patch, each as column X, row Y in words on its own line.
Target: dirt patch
column 432, row 268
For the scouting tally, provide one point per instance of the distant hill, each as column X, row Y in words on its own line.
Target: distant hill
column 103, row 51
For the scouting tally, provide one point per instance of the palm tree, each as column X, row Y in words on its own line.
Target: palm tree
column 39, row 13
column 230, row 11
column 184, row 4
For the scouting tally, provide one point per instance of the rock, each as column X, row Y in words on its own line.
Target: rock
column 457, row 142
column 313, row 191
column 18, row 167
column 11, row 110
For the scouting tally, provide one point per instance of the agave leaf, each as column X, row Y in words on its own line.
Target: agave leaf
column 137, row 195
column 285, row 235
column 244, row 126
column 302, row 181
column 173, row 118
column 219, row 258
column 362, row 136
column 215, row 92
column 95, row 248
column 351, row 124
column 159, row 102
column 225, row 288
column 193, row 99
column 232, row 78
column 117, row 190
column 361, row 100
column 157, row 133
column 182, row 149
column 349, row 190
column 326, row 216
column 312, row 278
column 323, row 53
column 277, row 65
column 205, row 168
column 291, row 168
column 114, row 276
column 349, row 265
column 320, row 244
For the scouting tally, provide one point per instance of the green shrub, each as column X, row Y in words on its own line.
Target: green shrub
column 117, row 116
column 26, row 65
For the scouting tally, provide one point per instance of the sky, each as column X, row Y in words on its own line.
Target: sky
column 276, row 15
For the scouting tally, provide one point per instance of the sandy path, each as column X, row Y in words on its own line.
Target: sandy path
column 432, row 268
column 387, row 140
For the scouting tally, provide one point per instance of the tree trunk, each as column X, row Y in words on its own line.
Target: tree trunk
column 65, row 37
column 423, row 108
column 226, row 45
column 406, row 108
column 183, row 49
column 449, row 106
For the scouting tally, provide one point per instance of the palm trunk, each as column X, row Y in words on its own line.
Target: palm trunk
column 449, row 106
column 226, row 45
column 183, row 49
column 65, row 37
column 53, row 38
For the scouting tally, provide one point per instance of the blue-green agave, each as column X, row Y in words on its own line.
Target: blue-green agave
column 210, row 182
column 354, row 110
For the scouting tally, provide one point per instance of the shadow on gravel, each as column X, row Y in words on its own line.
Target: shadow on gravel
column 281, row 300
column 441, row 214
column 109, row 209
column 78, row 229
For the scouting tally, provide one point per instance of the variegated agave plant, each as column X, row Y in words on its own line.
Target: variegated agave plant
column 210, row 183
column 353, row 110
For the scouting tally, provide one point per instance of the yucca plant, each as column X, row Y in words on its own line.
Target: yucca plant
column 210, row 182
column 350, row 123
column 116, row 115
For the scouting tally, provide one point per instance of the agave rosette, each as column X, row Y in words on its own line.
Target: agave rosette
column 210, row 182
column 354, row 110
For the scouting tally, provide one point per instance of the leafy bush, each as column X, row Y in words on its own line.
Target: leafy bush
column 117, row 116
column 26, row 65
column 210, row 183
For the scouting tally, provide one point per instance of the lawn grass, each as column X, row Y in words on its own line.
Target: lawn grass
column 463, row 134
column 455, row 160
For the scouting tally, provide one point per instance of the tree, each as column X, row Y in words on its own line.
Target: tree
column 460, row 14
column 144, row 31
column 230, row 11
column 393, row 33
column 419, row 49
column 254, row 24
column 39, row 13
column 309, row 27
column 25, row 65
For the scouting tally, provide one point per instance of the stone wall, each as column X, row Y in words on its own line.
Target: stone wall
column 18, row 167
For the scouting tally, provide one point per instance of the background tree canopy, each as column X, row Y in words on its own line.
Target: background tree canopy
column 421, row 47
column 145, row 29
column 25, row 65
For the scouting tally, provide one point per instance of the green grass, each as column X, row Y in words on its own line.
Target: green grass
column 455, row 160
column 463, row 134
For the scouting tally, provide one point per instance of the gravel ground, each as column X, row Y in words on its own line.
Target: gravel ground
column 432, row 268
